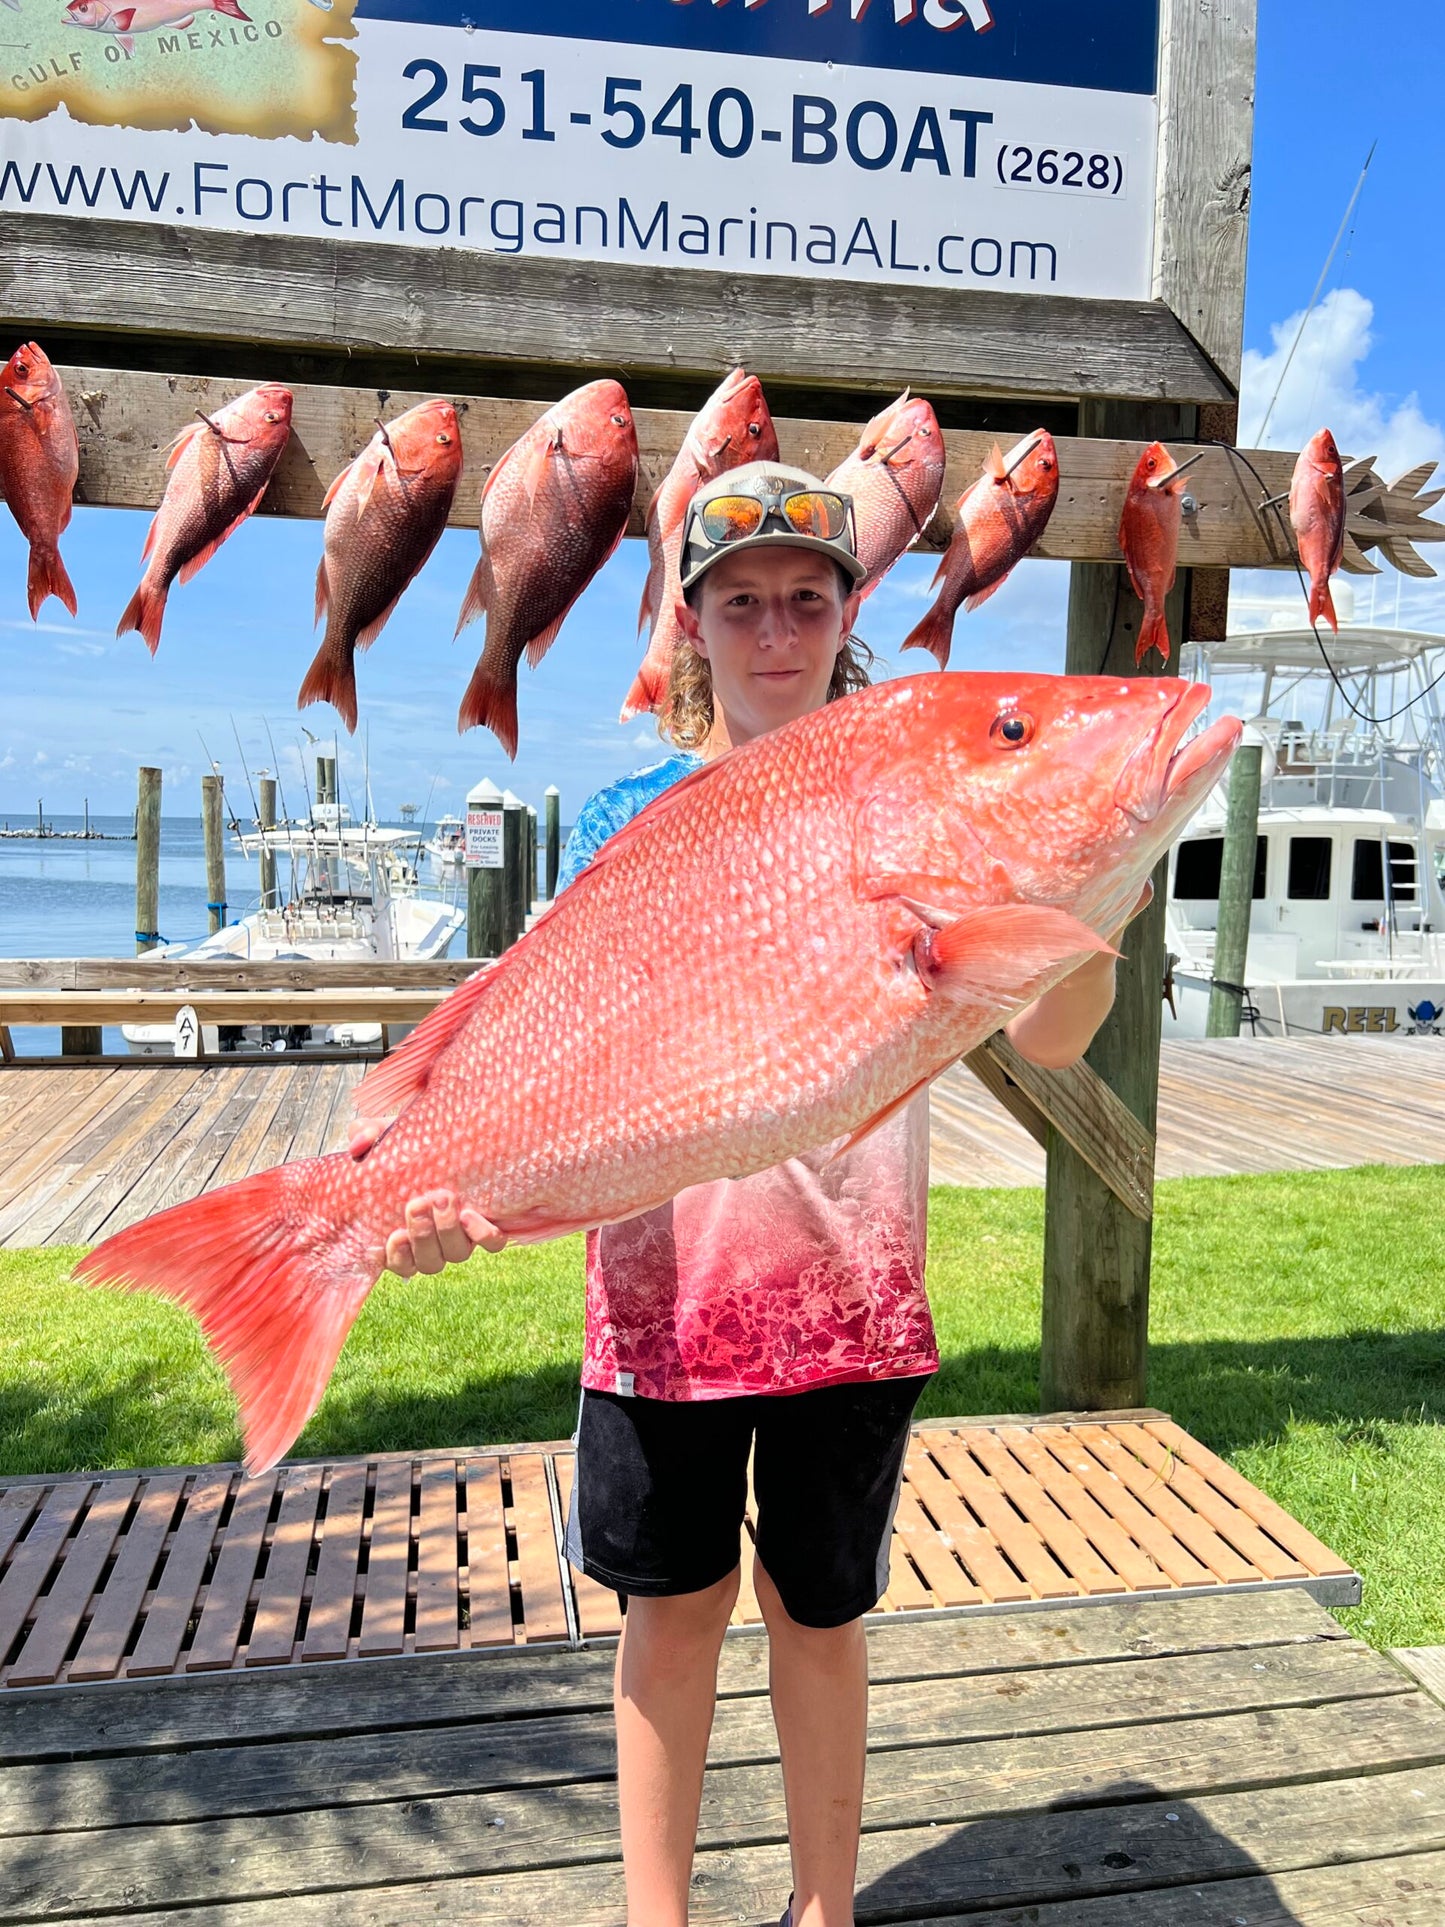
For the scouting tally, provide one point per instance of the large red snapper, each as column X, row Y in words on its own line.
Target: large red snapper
column 895, row 477
column 39, row 462
column 1317, row 516
column 553, row 510
column 732, row 428
column 384, row 516
column 221, row 465
column 771, row 958
column 999, row 520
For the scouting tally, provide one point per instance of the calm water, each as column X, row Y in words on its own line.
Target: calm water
column 78, row 899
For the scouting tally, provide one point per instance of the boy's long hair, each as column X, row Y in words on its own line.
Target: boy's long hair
column 686, row 717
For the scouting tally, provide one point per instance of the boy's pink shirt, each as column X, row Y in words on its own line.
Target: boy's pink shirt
column 807, row 1274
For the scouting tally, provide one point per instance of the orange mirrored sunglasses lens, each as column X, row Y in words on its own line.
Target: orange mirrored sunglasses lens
column 728, row 518
column 816, row 514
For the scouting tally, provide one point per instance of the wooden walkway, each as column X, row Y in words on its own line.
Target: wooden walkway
column 1184, row 1762
column 129, row 1575
column 87, row 1149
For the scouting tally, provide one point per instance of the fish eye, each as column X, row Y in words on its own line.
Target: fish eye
column 22, row 369
column 755, row 428
column 272, row 415
column 620, row 421
column 1150, row 462
column 444, row 440
column 1013, row 728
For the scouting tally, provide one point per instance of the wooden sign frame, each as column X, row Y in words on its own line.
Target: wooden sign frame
column 117, row 280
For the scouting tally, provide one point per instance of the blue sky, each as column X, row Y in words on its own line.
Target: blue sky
column 82, row 708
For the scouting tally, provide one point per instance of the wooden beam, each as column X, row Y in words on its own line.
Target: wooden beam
column 363, row 1005
column 126, row 420
column 1083, row 1110
column 1206, row 128
column 180, row 973
column 144, row 277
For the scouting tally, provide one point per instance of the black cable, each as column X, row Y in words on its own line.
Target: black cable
column 1268, row 501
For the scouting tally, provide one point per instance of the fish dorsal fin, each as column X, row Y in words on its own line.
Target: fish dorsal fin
column 405, row 1072
column 371, row 464
column 183, row 441
column 994, row 466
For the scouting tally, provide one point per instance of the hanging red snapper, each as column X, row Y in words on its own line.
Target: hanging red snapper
column 733, row 428
column 39, row 462
column 1149, row 537
column 999, row 520
column 221, row 466
column 772, row 957
column 553, row 510
column 384, row 516
column 895, row 477
column 1317, row 516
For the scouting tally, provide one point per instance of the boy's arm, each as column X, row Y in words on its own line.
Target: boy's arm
column 1057, row 1030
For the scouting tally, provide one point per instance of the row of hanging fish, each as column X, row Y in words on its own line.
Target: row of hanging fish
column 556, row 505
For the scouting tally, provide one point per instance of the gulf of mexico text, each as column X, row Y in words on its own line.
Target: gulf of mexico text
column 214, row 193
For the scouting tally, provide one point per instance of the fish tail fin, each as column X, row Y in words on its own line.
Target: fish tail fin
column 1322, row 604
column 48, row 577
column 649, row 686
column 1153, row 634
column 144, row 613
column 491, row 703
column 332, row 679
column 230, row 7
column 935, row 633
column 275, row 1273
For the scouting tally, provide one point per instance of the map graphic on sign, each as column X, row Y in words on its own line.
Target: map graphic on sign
column 267, row 68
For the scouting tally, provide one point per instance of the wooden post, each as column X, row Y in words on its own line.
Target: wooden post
column 552, row 801
column 267, row 805
column 147, row 860
column 529, row 890
column 213, row 831
column 486, row 887
column 1236, row 893
column 513, row 840
column 1095, row 1340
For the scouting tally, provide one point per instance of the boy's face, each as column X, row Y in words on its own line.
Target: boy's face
column 770, row 622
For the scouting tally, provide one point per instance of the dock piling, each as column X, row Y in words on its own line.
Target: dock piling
column 553, row 803
column 213, row 829
column 514, row 812
column 486, row 878
column 267, row 806
column 1236, row 893
column 147, row 860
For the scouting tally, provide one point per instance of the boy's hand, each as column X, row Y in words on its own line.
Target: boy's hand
column 1057, row 1030
column 439, row 1231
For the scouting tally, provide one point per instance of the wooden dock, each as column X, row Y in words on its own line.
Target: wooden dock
column 1183, row 1762
column 88, row 1148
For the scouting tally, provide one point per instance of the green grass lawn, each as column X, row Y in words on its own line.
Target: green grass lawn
column 1298, row 1329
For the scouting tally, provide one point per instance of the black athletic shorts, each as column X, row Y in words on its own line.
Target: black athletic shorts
column 661, row 1487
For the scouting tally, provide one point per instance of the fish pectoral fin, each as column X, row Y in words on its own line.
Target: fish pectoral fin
column 1003, row 954
column 879, row 1118
column 373, row 464
column 538, row 456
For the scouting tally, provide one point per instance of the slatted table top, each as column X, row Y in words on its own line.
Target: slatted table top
column 1192, row 1761
column 193, row 1570
column 88, row 1149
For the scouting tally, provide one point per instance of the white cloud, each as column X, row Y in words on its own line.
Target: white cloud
column 1326, row 385
column 1323, row 387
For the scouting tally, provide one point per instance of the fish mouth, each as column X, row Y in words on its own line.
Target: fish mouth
column 1166, row 770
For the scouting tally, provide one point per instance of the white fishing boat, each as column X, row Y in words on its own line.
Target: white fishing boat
column 352, row 895
column 1347, row 924
column 447, row 844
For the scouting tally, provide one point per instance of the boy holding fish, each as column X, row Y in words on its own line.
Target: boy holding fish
column 782, row 1314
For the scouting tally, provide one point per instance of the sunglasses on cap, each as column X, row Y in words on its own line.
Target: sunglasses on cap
column 806, row 511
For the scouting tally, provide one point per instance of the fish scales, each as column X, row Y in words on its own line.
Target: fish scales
column 895, row 477
column 769, row 959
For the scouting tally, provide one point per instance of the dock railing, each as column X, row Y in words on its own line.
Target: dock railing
column 91, row 991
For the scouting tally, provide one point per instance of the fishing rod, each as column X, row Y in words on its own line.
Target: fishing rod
column 245, row 771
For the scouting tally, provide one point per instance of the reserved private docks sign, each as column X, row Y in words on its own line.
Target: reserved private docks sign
column 1004, row 144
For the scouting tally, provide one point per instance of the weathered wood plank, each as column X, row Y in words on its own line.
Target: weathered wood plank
column 1206, row 120
column 31, row 1562
column 446, row 1690
column 118, row 1607
column 1084, row 1111
column 1426, row 1664
column 273, row 1631
column 159, row 1645
column 176, row 973
column 219, row 1630
column 59, row 1614
column 328, row 1628
column 303, row 292
column 383, row 1619
column 326, row 1848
